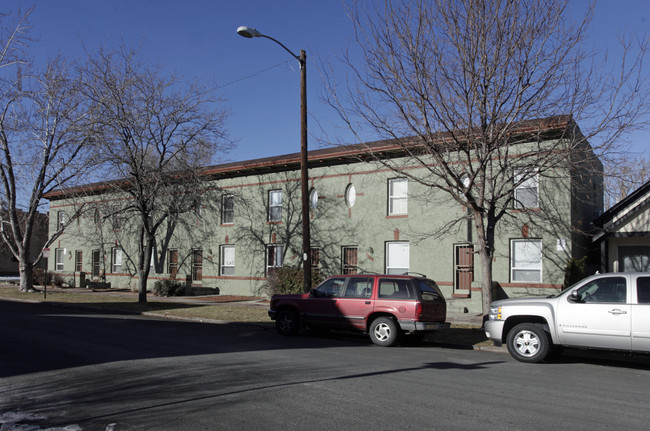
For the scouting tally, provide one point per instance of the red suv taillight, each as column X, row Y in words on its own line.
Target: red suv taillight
column 418, row 311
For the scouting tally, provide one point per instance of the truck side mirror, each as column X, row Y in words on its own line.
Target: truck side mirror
column 574, row 297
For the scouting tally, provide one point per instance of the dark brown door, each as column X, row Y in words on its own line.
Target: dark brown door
column 464, row 263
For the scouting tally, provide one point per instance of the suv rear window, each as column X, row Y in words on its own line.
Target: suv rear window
column 396, row 289
column 429, row 289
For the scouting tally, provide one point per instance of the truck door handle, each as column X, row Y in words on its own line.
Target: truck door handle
column 617, row 311
column 367, row 302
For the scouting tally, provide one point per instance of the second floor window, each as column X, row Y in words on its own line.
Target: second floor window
column 275, row 206
column 526, row 189
column 60, row 220
column 227, row 209
column 397, row 196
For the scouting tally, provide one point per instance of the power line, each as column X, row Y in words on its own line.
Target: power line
column 252, row 75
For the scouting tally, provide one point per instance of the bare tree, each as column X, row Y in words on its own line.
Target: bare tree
column 465, row 80
column 44, row 137
column 623, row 175
column 155, row 133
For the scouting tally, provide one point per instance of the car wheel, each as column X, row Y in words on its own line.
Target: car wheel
column 384, row 332
column 286, row 322
column 528, row 342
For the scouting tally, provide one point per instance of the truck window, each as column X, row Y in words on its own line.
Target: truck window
column 643, row 290
column 604, row 290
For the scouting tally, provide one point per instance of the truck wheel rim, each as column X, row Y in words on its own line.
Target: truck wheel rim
column 382, row 332
column 527, row 344
column 286, row 322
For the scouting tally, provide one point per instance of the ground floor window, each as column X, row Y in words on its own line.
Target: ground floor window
column 96, row 263
column 314, row 259
column 274, row 257
column 350, row 259
column 172, row 262
column 227, row 266
column 526, row 260
column 117, row 260
column 197, row 264
column 58, row 259
column 78, row 260
column 397, row 257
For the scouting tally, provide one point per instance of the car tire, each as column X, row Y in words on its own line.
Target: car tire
column 384, row 332
column 528, row 342
column 286, row 322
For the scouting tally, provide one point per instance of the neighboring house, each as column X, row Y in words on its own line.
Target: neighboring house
column 364, row 217
column 8, row 263
column 624, row 233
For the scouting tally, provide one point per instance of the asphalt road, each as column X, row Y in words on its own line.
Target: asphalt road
column 64, row 369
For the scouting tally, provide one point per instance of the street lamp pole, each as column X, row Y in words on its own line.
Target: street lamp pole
column 250, row 32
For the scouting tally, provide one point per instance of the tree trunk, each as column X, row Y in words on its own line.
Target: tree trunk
column 142, row 288
column 26, row 275
column 144, row 264
column 485, row 238
column 486, row 279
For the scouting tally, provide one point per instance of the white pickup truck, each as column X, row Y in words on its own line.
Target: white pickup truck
column 604, row 311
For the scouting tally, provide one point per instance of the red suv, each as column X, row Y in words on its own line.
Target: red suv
column 384, row 306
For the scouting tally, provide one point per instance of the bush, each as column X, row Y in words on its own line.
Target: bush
column 287, row 279
column 168, row 288
column 38, row 277
column 57, row 280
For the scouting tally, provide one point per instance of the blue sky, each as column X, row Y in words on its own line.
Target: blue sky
column 258, row 80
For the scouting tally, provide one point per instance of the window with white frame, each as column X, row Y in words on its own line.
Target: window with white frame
column 526, row 260
column 118, row 256
column 273, row 257
column 58, row 259
column 397, row 196
column 526, row 188
column 227, row 209
column 275, row 205
column 227, row 266
column 397, row 257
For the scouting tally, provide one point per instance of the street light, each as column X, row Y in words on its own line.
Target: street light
column 249, row 32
